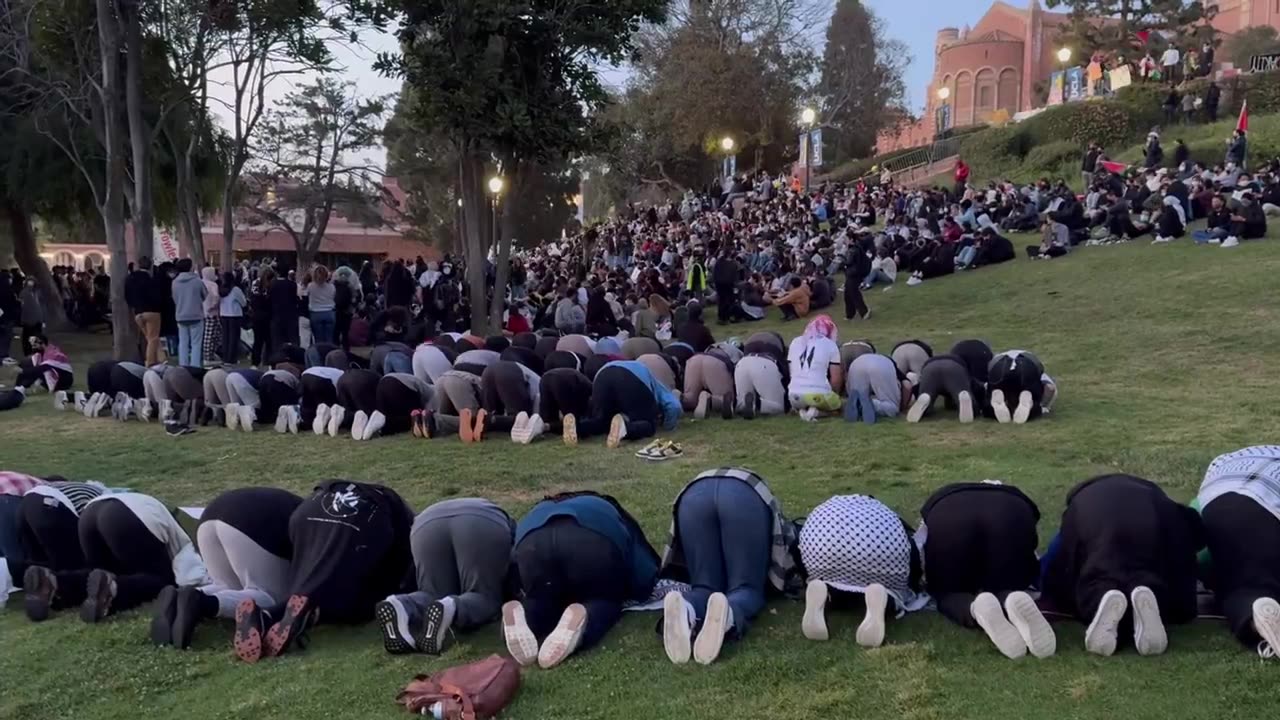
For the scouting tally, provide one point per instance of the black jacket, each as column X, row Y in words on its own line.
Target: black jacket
column 283, row 298
column 143, row 292
column 725, row 272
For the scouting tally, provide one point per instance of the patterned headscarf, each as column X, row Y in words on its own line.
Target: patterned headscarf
column 822, row 326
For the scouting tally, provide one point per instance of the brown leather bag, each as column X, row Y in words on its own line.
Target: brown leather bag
column 474, row 691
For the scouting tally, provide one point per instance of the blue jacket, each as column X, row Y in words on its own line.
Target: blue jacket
column 599, row 515
column 667, row 400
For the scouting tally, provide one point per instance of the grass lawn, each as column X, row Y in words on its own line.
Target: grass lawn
column 1162, row 355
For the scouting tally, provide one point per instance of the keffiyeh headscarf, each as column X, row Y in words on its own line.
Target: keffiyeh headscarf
column 822, row 326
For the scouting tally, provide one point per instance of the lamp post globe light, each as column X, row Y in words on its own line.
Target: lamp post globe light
column 944, row 93
column 727, row 144
column 496, row 184
column 1064, row 55
column 808, row 116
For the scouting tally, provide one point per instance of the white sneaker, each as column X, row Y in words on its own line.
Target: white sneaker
column 126, row 408
column 1027, row 619
column 519, row 430
column 1230, row 242
column 987, row 612
column 617, row 432
column 919, row 407
column 1266, row 620
column 321, row 422
column 1161, row 240
column 1025, row 405
column 1215, row 241
column 1149, row 636
column 337, row 414
column 377, row 421
column 520, row 640
column 233, row 416
column 1100, row 638
column 293, row 419
column 913, row 281
column 704, row 402
column 562, row 641
column 999, row 407
column 809, row 414
column 535, row 430
column 166, row 410
column 715, row 625
column 678, row 620
column 871, row 631
column 248, row 416
column 965, row 401
column 282, row 419
column 144, row 409
column 6, row 582
column 117, row 405
column 60, row 400
column 357, row 425
column 80, row 401
column 814, row 624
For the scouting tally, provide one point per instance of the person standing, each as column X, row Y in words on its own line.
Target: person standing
column 260, row 316
column 283, row 297
column 1171, row 60
column 33, row 313
column 856, row 269
column 147, row 303
column 10, row 313
column 725, row 276
column 189, row 294
column 212, row 322
column 1212, row 97
column 1090, row 165
column 962, row 178
column 1237, row 152
column 322, row 304
column 231, row 310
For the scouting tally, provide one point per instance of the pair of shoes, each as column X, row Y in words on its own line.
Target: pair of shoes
column 914, row 280
column 1024, row 629
column 298, row 619
column 398, row 636
column 559, row 645
column 471, row 425
column 527, row 428
column 176, row 615
column 415, row 424
column 660, row 450
column 287, row 420
column 871, row 630
column 366, row 427
column 1149, row 635
column 679, row 620
column 1230, row 242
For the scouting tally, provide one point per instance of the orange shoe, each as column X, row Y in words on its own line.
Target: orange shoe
column 466, row 428
column 477, row 435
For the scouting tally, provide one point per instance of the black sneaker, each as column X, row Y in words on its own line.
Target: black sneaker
column 394, row 620
column 726, row 406
column 162, row 618
column 186, row 616
column 430, row 429
column 100, row 593
column 435, row 627
column 39, row 585
column 749, row 405
column 299, row 617
column 251, row 629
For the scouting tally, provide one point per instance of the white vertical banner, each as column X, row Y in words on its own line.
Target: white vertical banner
column 815, row 143
column 804, row 149
column 165, row 246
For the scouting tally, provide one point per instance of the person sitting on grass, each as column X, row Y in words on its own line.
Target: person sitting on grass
column 47, row 366
column 794, row 303
column 883, row 269
column 1172, row 222
column 816, row 370
column 1055, row 242
column 1248, row 222
column 1219, row 225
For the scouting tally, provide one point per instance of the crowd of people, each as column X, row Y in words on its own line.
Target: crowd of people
column 1127, row 560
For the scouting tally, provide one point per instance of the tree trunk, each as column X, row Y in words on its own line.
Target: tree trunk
column 27, row 254
column 518, row 182
column 139, row 130
column 228, row 224
column 474, row 208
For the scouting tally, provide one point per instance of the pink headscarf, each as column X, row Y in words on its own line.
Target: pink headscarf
column 822, row 326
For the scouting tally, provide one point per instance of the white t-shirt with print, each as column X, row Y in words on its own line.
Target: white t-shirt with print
column 810, row 361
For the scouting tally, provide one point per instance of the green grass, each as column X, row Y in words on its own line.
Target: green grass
column 1165, row 357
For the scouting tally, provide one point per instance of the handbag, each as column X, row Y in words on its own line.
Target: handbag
column 474, row 691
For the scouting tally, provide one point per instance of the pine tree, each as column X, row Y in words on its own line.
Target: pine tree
column 861, row 87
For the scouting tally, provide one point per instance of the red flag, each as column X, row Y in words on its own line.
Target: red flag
column 1243, row 124
column 1143, row 35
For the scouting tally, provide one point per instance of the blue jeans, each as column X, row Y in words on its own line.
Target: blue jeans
column 877, row 275
column 1203, row 236
column 965, row 258
column 322, row 324
column 10, row 544
column 726, row 532
column 191, row 343
column 397, row 362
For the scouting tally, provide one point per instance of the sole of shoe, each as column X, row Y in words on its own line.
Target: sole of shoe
column 321, row 421
column 1149, row 634
column 415, row 423
column 247, row 639
column 1023, row 412
column 282, row 422
column 814, row 624
column 1031, row 624
column 749, row 405
column 282, row 634
column 965, row 401
column 988, row 613
column 676, row 633
column 520, row 640
column 162, row 619
column 98, row 597
column 726, row 406
column 336, row 416
column 247, row 419
column 570, row 433
column 871, row 631
column 999, row 407
column 233, row 416
column 564, row 639
column 186, row 616
column 1100, row 638
column 394, row 621
column 435, row 628
column 716, row 623
column 1266, row 620
column 39, row 585
column 918, row 408
column 466, row 426
column 704, row 402
column 357, row 425
column 477, row 432
column 617, row 432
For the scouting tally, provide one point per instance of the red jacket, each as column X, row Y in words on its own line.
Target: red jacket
column 962, row 172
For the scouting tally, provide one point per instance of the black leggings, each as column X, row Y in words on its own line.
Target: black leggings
column 562, row 563
column 1244, row 541
column 563, row 391
column 617, row 391
column 945, row 376
column 1120, row 532
column 358, row 390
column 274, row 395
column 396, row 401
column 126, row 382
column 981, row 539
column 47, row 532
column 316, row 390
column 1013, row 377
column 114, row 539
column 503, row 390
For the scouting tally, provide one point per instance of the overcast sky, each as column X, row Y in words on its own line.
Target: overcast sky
column 914, row 22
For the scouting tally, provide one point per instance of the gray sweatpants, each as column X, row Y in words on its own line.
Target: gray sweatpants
column 758, row 374
column 154, row 387
column 457, row 391
column 876, row 376
column 910, row 359
column 215, row 388
column 464, row 557
column 240, row 569
column 242, row 392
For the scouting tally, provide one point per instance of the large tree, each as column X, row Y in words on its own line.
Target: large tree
column 510, row 85
column 309, row 166
column 1112, row 26
column 861, row 91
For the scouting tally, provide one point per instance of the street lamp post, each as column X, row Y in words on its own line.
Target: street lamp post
column 807, row 117
column 944, row 93
column 1064, row 57
column 496, row 185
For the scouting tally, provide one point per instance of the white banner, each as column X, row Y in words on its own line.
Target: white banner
column 166, row 246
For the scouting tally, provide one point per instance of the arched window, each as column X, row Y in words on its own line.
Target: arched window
column 962, row 98
column 64, row 258
column 93, row 260
column 1009, row 96
column 985, row 95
